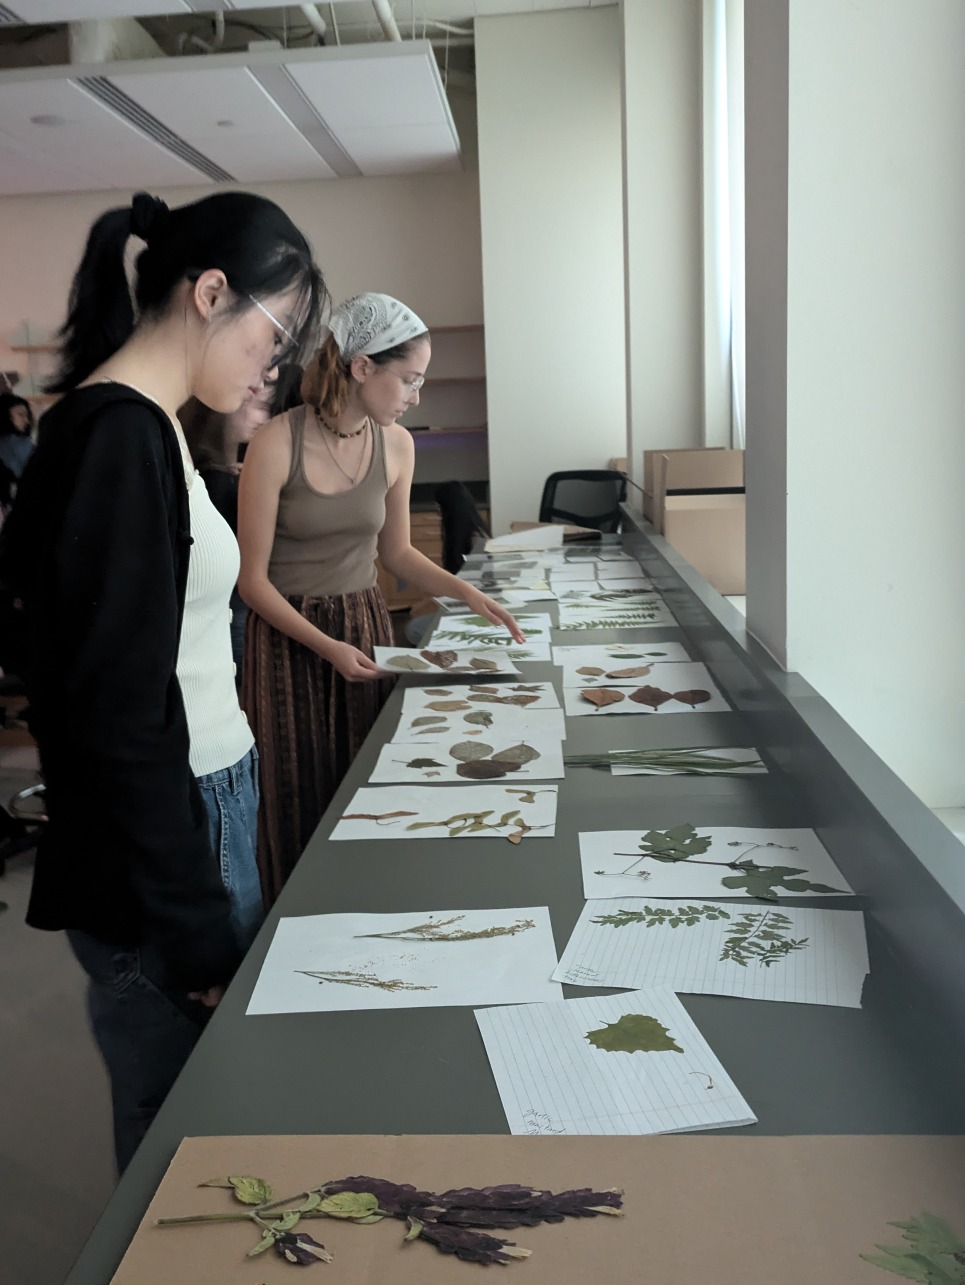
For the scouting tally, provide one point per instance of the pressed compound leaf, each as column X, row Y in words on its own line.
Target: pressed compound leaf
column 602, row 696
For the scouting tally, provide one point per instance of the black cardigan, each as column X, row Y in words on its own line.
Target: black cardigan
column 97, row 549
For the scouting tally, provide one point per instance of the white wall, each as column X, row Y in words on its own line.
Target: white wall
column 550, row 175
column 662, row 125
column 875, row 470
column 413, row 237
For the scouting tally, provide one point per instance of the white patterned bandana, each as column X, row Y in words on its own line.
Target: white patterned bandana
column 373, row 323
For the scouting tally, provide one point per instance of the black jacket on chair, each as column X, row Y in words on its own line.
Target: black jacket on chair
column 96, row 549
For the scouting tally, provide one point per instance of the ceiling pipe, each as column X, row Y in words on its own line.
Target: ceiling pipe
column 383, row 11
column 315, row 19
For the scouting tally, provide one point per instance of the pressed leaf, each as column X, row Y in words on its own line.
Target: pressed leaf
column 591, row 671
column 447, row 707
column 489, row 691
column 218, row 1182
column 428, row 720
column 601, row 696
column 517, row 754
column 635, row 671
column 419, row 763
column 634, row 1033
column 413, row 1228
column 375, row 816
column 652, row 696
column 466, row 751
column 287, row 1221
column 444, row 659
column 266, row 1241
column 437, row 691
column 250, row 1191
column 480, row 662
column 482, row 770
column 505, row 700
column 406, row 662
column 516, row 836
column 693, row 697
column 349, row 1204
column 525, row 687
column 480, row 717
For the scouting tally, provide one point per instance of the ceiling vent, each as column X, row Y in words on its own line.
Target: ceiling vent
column 133, row 112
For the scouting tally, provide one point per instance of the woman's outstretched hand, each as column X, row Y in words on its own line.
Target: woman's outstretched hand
column 484, row 606
column 352, row 664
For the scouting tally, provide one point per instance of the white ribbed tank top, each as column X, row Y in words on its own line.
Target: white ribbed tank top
column 219, row 731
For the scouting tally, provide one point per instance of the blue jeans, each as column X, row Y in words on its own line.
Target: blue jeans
column 231, row 801
column 145, row 1029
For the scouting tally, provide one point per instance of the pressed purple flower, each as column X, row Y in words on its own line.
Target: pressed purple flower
column 471, row 1246
column 298, row 1248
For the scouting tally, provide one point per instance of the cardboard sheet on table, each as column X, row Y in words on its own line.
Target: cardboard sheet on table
column 728, row 1210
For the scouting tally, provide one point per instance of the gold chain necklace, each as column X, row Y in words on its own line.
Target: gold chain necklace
column 347, row 476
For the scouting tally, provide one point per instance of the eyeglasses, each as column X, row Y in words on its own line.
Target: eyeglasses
column 285, row 349
column 413, row 385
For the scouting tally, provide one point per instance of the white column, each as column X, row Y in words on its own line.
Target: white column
column 550, row 176
column 661, row 78
column 856, row 383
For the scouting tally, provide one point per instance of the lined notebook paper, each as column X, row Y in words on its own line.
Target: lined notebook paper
column 612, row 1064
column 774, row 952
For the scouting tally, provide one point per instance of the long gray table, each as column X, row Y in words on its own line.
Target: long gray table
column 894, row 1066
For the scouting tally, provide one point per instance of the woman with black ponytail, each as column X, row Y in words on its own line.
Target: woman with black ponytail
column 123, row 570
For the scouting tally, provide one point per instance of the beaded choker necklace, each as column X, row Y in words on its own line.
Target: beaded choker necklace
column 338, row 432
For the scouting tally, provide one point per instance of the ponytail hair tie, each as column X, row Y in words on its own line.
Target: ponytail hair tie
column 149, row 214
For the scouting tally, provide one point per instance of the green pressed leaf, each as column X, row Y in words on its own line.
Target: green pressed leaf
column 372, row 1218
column 287, row 1221
column 266, row 1241
column 250, row 1191
column 518, row 754
column 405, row 662
column 349, row 1204
column 312, row 1201
column 413, row 1228
column 675, row 844
column 218, row 1182
column 467, row 751
column 634, row 1033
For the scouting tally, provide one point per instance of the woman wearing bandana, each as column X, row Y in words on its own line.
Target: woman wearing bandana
column 325, row 489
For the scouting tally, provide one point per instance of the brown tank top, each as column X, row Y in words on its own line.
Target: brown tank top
column 326, row 544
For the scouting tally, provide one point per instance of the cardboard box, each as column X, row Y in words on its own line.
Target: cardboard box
column 694, row 469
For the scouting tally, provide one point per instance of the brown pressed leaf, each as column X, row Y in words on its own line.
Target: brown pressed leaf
column 444, row 659
column 480, row 662
column 524, row 687
column 375, row 816
column 446, row 707
column 693, row 697
column 406, row 662
column 636, row 671
column 490, row 691
column 517, row 754
column 591, row 671
column 428, row 720
column 437, row 691
column 652, row 696
column 601, row 696
column 481, row 770
column 515, row 837
column 466, row 751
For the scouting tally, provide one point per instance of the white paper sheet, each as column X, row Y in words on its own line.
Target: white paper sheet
column 773, row 952
column 427, row 662
column 482, row 721
column 688, row 687
column 613, row 656
column 449, row 812
column 477, row 632
column 461, row 698
column 689, row 760
column 615, row 862
column 473, row 758
column 553, row 1078
column 328, row 963
column 541, row 537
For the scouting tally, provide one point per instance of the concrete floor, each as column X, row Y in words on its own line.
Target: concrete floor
column 56, row 1154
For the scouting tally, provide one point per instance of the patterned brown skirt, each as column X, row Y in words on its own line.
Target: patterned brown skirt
column 308, row 722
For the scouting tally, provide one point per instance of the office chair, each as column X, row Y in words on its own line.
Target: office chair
column 584, row 497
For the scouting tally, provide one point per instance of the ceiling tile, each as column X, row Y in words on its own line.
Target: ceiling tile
column 37, row 11
column 402, row 149
column 485, row 8
column 259, row 143
column 365, row 93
